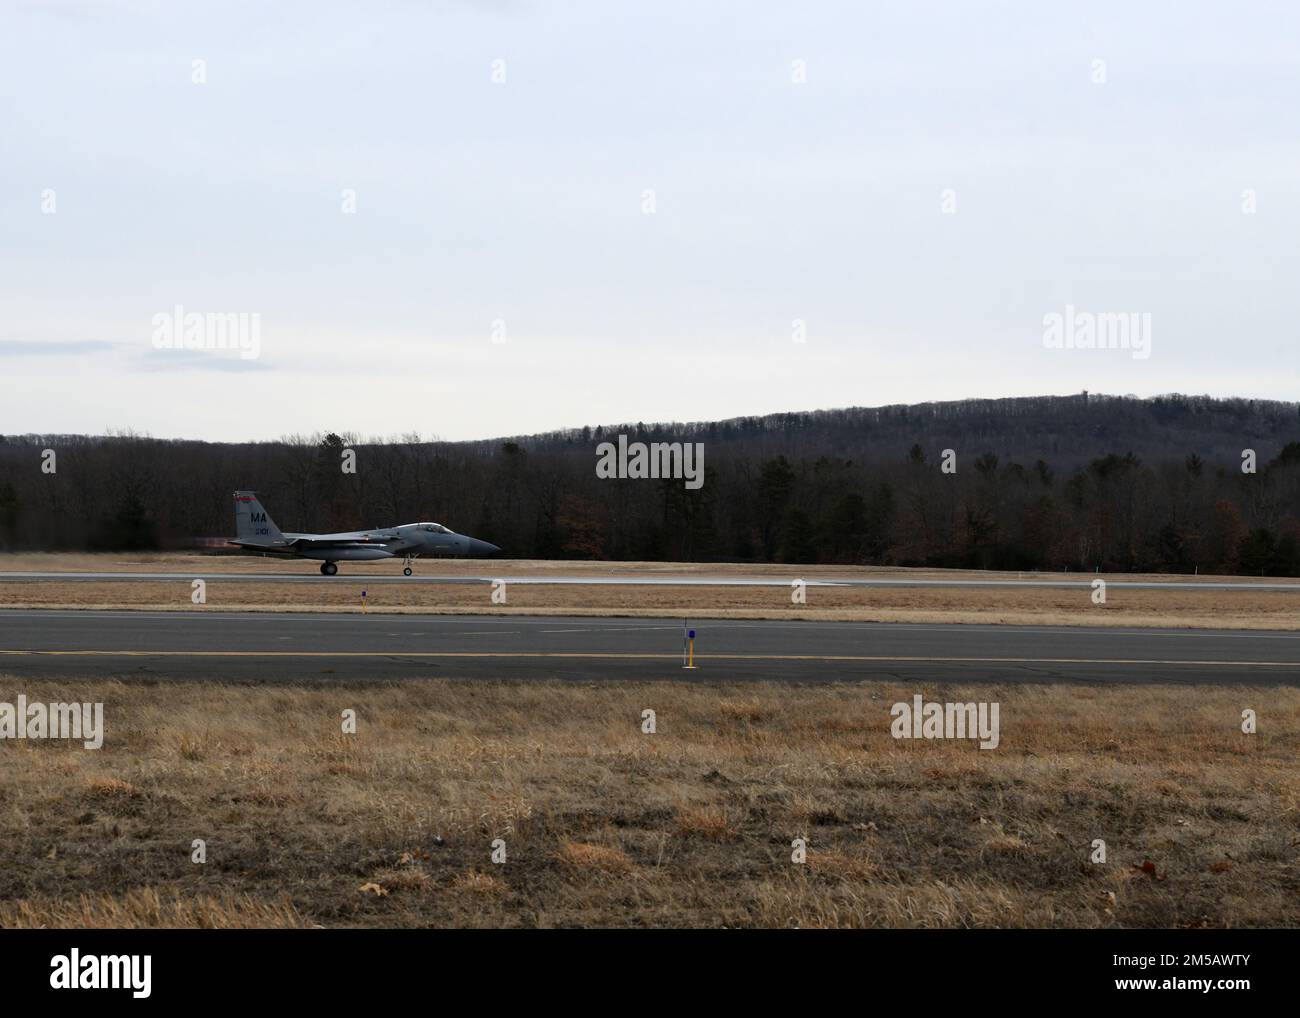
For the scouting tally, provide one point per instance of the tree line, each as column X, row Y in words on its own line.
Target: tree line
column 1173, row 484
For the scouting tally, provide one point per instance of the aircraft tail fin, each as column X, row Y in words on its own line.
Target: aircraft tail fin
column 252, row 524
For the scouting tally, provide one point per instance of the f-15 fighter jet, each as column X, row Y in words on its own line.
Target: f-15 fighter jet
column 256, row 531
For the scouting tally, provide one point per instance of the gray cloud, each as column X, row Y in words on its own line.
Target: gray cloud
column 54, row 347
column 195, row 360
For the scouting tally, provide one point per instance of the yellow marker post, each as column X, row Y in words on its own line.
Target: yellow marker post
column 363, row 602
column 689, row 648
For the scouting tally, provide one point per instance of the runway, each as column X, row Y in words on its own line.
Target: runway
column 632, row 581
column 272, row 647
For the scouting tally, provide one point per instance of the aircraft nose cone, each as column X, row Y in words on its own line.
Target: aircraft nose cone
column 478, row 548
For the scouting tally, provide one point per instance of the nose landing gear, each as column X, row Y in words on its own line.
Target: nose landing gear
column 406, row 564
column 328, row 568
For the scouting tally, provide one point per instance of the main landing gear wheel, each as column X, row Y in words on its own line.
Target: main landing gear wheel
column 328, row 568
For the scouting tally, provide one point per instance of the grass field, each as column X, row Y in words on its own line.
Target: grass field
column 604, row 825
column 1045, row 606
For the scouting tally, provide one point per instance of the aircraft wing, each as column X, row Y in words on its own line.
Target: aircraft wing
column 295, row 542
column 335, row 543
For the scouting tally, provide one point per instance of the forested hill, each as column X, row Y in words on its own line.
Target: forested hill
column 1065, row 431
column 1075, row 482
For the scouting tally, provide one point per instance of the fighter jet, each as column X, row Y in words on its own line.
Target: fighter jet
column 256, row 531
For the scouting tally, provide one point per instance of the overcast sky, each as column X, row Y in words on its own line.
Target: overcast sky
column 568, row 213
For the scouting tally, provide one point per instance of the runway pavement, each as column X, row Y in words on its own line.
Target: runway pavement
column 647, row 580
column 273, row 647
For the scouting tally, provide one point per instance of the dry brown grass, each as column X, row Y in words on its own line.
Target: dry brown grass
column 606, row 826
column 595, row 857
column 1046, row 606
column 144, row 908
column 112, row 788
column 476, row 884
column 709, row 822
column 411, row 878
column 842, row 866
